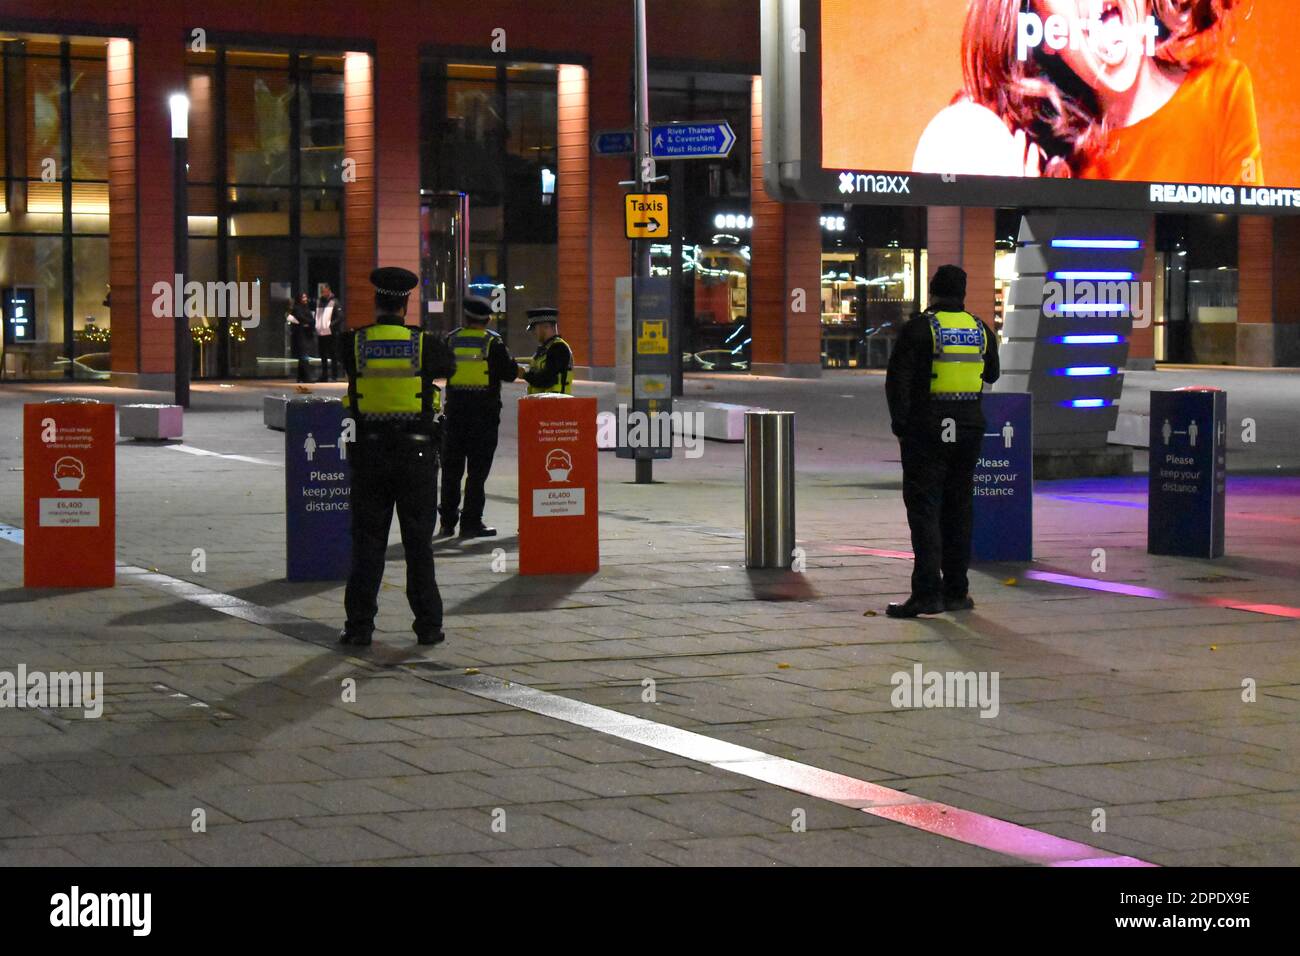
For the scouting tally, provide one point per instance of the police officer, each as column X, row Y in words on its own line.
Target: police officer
column 473, row 416
column 936, row 373
column 393, row 399
column 551, row 369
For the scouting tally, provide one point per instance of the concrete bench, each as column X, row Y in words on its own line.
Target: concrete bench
column 721, row 421
column 1132, row 429
column 150, row 421
column 274, row 411
column 718, row 421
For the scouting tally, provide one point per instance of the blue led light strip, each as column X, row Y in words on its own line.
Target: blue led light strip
column 1096, row 244
column 1086, row 371
column 1068, row 308
column 1092, row 274
column 1097, row 339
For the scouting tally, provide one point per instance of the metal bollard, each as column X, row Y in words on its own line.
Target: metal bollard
column 769, row 489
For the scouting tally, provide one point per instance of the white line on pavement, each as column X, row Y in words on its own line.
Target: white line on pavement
column 203, row 452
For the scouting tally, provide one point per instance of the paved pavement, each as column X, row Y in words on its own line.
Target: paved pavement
column 1121, row 732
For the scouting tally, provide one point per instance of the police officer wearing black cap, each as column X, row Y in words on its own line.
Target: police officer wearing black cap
column 473, row 417
column 393, row 399
column 936, row 373
column 551, row 369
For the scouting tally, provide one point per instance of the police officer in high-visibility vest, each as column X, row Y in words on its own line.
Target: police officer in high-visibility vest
column 391, row 368
column 551, row 369
column 937, row 371
column 473, row 415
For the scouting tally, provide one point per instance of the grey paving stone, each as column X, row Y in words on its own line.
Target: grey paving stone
column 340, row 844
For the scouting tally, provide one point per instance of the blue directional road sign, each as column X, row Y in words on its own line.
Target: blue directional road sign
column 706, row 140
column 1004, row 481
column 615, row 143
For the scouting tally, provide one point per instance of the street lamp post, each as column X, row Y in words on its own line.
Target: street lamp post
column 643, row 177
column 180, row 115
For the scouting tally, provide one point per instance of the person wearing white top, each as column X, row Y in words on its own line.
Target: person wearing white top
column 329, row 322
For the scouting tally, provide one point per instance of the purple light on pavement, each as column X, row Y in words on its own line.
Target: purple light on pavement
column 1113, row 587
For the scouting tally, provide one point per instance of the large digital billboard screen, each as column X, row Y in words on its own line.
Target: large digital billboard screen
column 1148, row 104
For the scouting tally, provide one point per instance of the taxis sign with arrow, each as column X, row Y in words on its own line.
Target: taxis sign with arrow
column 646, row 215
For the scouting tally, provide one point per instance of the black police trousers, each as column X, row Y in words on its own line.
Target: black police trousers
column 938, row 491
column 393, row 472
column 469, row 442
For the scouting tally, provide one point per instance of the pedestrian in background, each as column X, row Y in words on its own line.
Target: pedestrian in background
column 330, row 326
column 302, row 326
column 936, row 374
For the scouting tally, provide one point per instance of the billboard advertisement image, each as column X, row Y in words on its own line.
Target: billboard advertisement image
column 1144, row 104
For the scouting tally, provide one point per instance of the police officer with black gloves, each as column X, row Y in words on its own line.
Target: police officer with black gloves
column 551, row 369
column 936, row 374
column 473, row 417
column 391, row 369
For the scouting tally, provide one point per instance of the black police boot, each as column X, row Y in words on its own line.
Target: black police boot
column 355, row 638
column 914, row 606
column 964, row 603
column 447, row 529
column 478, row 531
column 430, row 638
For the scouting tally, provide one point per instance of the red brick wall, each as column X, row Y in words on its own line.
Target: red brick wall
column 359, row 196
column 611, row 253
column 573, row 205
column 160, row 72
column 1255, row 279
column 1286, row 253
column 1142, row 341
column 785, row 250
column 397, row 155
column 767, row 294
column 387, row 158
column 122, row 266
column 964, row 236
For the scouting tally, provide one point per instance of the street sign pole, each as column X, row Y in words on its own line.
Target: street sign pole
column 642, row 157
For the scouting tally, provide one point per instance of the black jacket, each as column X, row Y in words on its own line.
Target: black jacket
column 912, row 411
column 501, row 368
column 559, row 360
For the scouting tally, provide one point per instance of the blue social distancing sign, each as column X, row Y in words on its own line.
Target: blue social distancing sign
column 318, row 484
column 1004, row 480
column 1186, row 489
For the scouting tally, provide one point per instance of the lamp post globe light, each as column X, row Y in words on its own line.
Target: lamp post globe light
column 179, row 104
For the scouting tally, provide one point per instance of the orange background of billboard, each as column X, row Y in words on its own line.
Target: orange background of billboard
column 558, row 544
column 889, row 67
column 73, row 557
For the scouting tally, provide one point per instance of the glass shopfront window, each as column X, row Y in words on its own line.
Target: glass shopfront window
column 871, row 261
column 490, row 131
column 1197, row 283
column 54, row 252
column 265, row 197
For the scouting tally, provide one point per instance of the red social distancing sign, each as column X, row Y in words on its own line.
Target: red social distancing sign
column 559, row 527
column 69, row 495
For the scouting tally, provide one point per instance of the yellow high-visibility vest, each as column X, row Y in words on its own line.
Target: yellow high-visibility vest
column 957, row 367
column 564, row 384
column 388, row 385
column 471, row 347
